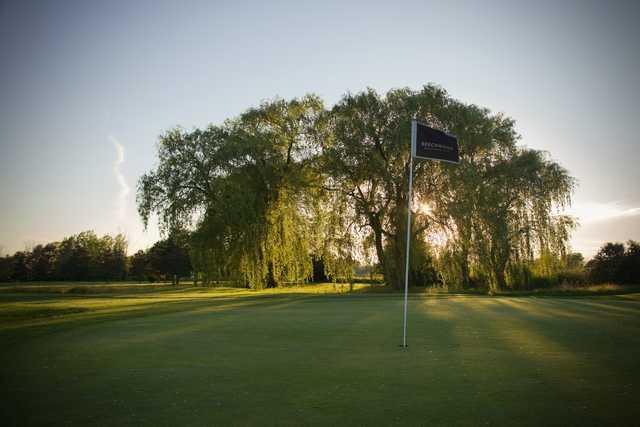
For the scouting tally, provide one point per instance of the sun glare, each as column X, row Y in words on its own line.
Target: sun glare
column 424, row 208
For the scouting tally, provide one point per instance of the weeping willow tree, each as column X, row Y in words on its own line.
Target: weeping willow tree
column 265, row 193
column 495, row 207
column 500, row 206
column 243, row 188
column 516, row 220
column 368, row 162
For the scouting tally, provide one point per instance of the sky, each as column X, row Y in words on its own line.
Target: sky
column 86, row 88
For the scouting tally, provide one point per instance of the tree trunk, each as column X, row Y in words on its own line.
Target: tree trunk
column 499, row 263
column 396, row 265
column 377, row 235
column 464, row 267
column 500, row 281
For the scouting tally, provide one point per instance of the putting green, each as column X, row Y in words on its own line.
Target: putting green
column 219, row 358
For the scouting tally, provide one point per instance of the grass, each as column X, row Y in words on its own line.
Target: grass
column 87, row 287
column 316, row 356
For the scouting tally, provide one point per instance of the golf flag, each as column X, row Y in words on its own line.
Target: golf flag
column 433, row 144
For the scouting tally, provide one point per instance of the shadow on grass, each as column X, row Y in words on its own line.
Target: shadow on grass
column 41, row 319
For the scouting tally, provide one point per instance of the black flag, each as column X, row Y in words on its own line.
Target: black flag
column 429, row 143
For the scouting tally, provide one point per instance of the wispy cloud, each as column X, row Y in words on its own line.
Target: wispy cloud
column 595, row 212
column 123, row 193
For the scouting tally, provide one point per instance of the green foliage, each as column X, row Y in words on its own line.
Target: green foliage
column 422, row 269
column 138, row 266
column 6, row 268
column 289, row 181
column 449, row 267
column 84, row 257
column 572, row 277
column 547, row 271
column 367, row 160
column 244, row 188
column 615, row 263
column 574, row 261
column 168, row 259
column 497, row 206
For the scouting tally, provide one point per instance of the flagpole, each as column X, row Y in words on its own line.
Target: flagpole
column 406, row 267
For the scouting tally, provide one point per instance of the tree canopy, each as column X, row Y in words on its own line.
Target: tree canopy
column 616, row 263
column 291, row 181
column 83, row 257
column 246, row 190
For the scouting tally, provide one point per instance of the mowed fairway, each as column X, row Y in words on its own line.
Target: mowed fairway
column 214, row 358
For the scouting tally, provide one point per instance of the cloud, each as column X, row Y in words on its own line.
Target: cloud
column 595, row 212
column 589, row 238
column 123, row 193
column 603, row 222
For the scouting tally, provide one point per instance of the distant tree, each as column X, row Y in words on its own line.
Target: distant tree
column 66, row 267
column 43, row 260
column 631, row 263
column 20, row 269
column 113, row 255
column 169, row 258
column 81, row 257
column 6, row 268
column 138, row 266
column 607, row 265
column 574, row 260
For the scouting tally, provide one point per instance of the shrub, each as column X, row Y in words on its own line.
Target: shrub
column 572, row 277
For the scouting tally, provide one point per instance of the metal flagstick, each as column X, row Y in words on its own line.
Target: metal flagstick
column 406, row 267
column 434, row 145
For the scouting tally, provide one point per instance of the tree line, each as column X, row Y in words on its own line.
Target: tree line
column 616, row 263
column 266, row 193
column 87, row 257
column 291, row 190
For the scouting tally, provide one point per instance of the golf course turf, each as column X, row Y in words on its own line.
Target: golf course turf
column 226, row 357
